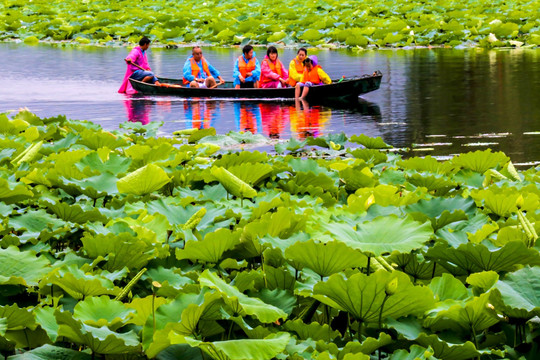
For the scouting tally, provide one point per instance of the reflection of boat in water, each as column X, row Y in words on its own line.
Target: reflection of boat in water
column 201, row 114
column 343, row 88
column 138, row 110
column 308, row 120
column 248, row 117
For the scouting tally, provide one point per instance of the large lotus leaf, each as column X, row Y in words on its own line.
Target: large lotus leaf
column 251, row 173
column 438, row 184
column 363, row 296
column 241, row 158
column 417, row 353
column 305, row 179
column 233, row 184
column 98, row 139
column 17, row 318
column 246, row 349
column 145, row 154
column 79, row 284
column 33, row 224
column 48, row 352
column 292, row 145
column 180, row 351
column 414, row 265
column 113, row 163
column 472, row 316
column 481, row 161
column 483, row 280
column 240, row 302
column 143, row 308
column 123, row 250
column 457, row 233
column 22, row 268
column 310, row 166
column 143, row 181
column 368, row 346
column 75, row 213
column 383, row 235
column 427, row 164
column 355, row 179
column 100, row 340
column 370, row 156
column 448, row 287
column 369, row 142
column 102, row 311
column 521, row 290
column 93, row 186
column 185, row 315
column 313, row 330
column 434, row 208
column 11, row 192
column 45, row 318
column 325, row 258
column 469, row 258
column 172, row 283
column 211, row 248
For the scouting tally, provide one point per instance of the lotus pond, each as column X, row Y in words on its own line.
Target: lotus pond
column 324, row 23
column 125, row 245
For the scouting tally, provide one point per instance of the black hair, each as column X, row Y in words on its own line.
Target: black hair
column 247, row 49
column 144, row 40
column 271, row 50
column 308, row 60
column 302, row 49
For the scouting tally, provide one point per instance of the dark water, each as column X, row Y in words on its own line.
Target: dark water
column 439, row 101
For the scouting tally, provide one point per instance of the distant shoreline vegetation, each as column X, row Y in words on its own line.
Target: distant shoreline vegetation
column 324, row 24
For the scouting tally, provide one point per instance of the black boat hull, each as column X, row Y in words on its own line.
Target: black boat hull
column 345, row 89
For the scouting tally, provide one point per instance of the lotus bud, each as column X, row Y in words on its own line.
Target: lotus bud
column 519, row 202
column 334, row 146
column 156, row 284
column 391, row 287
column 369, row 201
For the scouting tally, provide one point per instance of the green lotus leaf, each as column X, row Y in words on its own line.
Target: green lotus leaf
column 470, row 258
column 414, row 265
column 172, row 283
column 123, row 250
column 99, row 340
column 313, row 330
column 35, row 224
column 325, row 140
column 22, row 267
column 143, row 181
column 292, row 145
column 99, row 139
column 457, row 233
column 11, row 192
column 383, row 235
column 17, row 318
column 93, row 186
column 448, row 287
column 355, row 179
column 149, row 129
column 427, row 164
column 143, row 308
column 45, row 318
column 28, row 155
column 233, row 184
column 75, row 213
column 417, row 353
column 113, row 163
column 433, row 208
column 364, row 296
column 472, row 316
column 180, row 351
column 79, row 284
column 483, row 280
column 502, row 204
column 246, row 349
column 145, row 154
column 241, row 158
column 211, row 248
column 241, row 303
column 47, row 352
column 63, row 144
column 521, row 290
column 370, row 156
column 250, row 173
column 306, row 179
column 325, row 258
column 309, row 166
column 369, row 142
column 201, row 133
column 439, row 184
column 311, row 35
column 279, row 278
column 481, row 161
column 102, row 311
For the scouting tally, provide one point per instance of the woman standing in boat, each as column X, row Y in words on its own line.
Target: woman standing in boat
column 296, row 67
column 247, row 69
column 273, row 73
column 313, row 75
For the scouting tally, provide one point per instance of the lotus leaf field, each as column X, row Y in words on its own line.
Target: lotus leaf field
column 325, row 23
column 126, row 245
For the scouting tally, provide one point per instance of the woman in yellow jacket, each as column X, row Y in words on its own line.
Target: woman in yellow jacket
column 296, row 67
column 313, row 75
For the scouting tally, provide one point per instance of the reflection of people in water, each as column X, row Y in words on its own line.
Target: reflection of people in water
column 274, row 117
column 138, row 110
column 200, row 114
column 308, row 121
column 247, row 117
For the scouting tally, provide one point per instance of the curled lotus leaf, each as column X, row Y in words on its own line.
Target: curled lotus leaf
column 143, row 181
column 102, row 311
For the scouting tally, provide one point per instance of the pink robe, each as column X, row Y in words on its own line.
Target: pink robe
column 267, row 72
column 138, row 57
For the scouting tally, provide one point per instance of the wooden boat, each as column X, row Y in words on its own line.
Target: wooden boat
column 348, row 88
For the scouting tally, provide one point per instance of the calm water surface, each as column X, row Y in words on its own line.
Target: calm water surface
column 439, row 101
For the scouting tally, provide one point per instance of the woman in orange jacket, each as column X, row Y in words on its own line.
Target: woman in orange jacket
column 313, row 75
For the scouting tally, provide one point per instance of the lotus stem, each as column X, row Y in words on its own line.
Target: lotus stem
column 153, row 312
column 128, row 287
column 368, row 264
column 433, row 272
column 380, row 312
column 230, row 330
column 310, row 311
